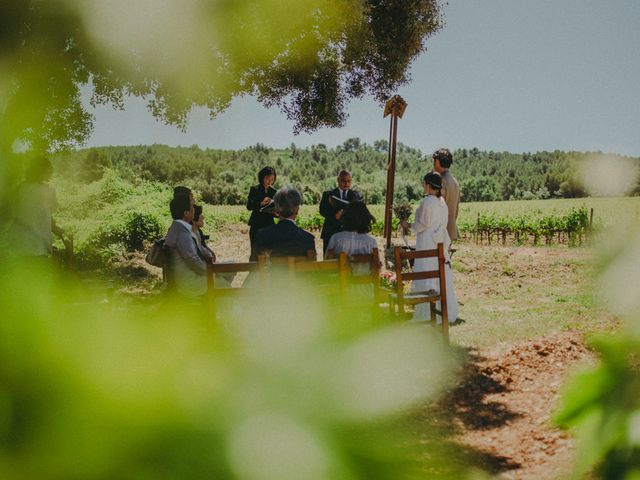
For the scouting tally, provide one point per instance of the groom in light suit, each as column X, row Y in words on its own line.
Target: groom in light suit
column 332, row 210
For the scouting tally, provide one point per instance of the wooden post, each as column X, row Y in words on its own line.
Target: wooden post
column 591, row 220
column 395, row 107
column 399, row 283
column 391, row 168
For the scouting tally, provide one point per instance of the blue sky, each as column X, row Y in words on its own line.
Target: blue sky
column 503, row 75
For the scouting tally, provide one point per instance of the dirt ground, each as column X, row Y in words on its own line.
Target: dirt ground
column 501, row 410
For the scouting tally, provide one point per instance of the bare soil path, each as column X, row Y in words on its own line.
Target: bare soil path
column 502, row 408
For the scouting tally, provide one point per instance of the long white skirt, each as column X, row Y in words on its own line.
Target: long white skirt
column 422, row 310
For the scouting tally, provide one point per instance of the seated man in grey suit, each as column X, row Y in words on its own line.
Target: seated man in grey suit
column 189, row 269
column 285, row 238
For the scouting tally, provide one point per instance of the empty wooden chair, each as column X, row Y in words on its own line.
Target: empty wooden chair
column 364, row 269
column 401, row 298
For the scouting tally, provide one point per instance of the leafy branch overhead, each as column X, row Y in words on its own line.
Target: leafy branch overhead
column 306, row 58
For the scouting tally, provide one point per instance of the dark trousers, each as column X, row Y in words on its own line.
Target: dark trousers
column 253, row 256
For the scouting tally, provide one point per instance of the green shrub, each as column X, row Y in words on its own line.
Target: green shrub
column 138, row 228
column 100, row 247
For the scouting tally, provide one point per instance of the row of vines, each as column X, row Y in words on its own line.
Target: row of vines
column 569, row 228
column 528, row 228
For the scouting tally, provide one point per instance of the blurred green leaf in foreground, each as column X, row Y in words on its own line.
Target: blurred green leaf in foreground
column 602, row 404
column 282, row 388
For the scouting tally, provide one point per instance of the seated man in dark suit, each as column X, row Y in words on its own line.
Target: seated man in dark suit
column 285, row 238
column 332, row 209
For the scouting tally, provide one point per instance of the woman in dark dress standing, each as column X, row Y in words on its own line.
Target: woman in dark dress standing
column 259, row 200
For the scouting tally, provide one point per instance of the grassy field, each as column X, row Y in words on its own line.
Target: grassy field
column 513, row 294
column 606, row 211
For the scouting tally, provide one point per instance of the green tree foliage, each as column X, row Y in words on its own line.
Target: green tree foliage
column 307, row 58
column 224, row 176
column 479, row 189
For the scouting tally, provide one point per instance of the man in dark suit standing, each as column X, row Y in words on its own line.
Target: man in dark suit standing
column 285, row 238
column 332, row 209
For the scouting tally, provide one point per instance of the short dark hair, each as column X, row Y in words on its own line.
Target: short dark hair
column 266, row 171
column 357, row 218
column 435, row 180
column 444, row 157
column 180, row 190
column 178, row 205
column 197, row 211
column 287, row 200
column 344, row 173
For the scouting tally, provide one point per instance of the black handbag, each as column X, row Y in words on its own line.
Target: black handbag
column 156, row 255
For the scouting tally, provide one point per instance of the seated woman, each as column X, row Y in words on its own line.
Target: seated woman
column 199, row 236
column 355, row 238
column 259, row 202
column 430, row 226
column 203, row 249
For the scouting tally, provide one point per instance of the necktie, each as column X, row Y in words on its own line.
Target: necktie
column 344, row 194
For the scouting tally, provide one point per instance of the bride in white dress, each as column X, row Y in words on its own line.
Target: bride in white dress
column 430, row 226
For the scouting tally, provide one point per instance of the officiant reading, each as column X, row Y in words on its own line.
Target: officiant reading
column 333, row 204
column 260, row 202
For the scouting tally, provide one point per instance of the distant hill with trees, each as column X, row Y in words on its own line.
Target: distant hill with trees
column 224, row 176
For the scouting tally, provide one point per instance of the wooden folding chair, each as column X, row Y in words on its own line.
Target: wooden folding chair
column 328, row 275
column 401, row 298
column 372, row 261
column 310, row 256
column 216, row 292
column 270, row 262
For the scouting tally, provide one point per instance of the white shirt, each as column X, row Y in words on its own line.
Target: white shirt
column 352, row 243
